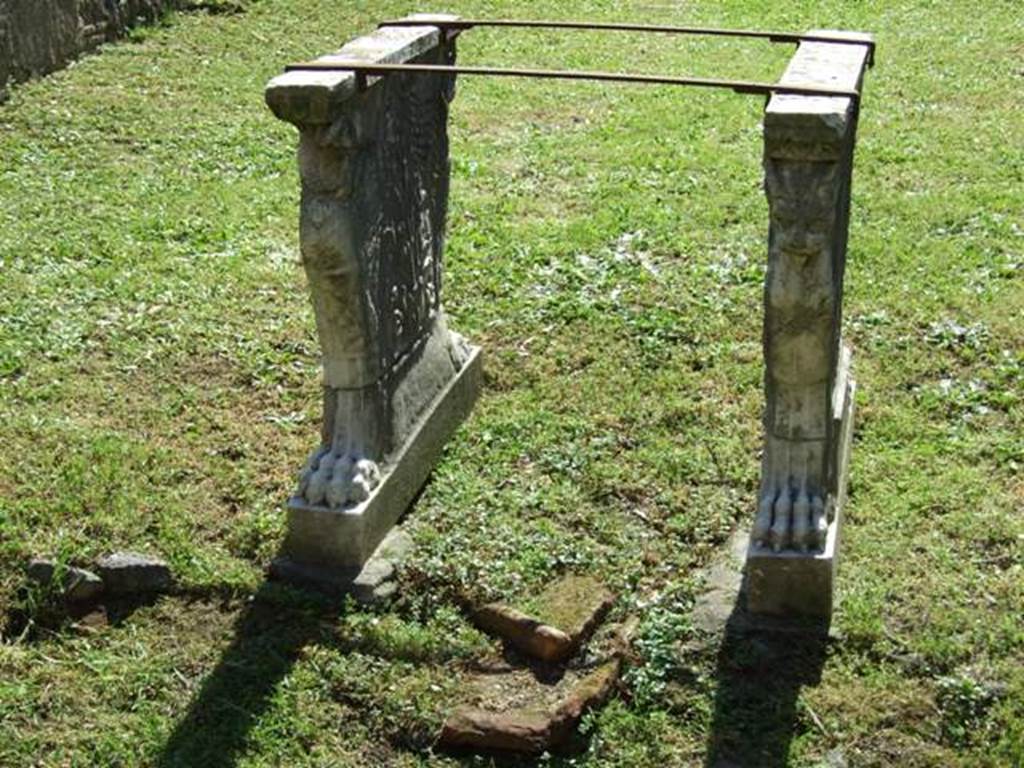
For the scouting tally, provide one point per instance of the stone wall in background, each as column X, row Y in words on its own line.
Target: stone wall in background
column 40, row 36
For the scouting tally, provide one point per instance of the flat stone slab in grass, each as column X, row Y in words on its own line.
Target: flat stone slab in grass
column 512, row 711
column 130, row 573
column 552, row 626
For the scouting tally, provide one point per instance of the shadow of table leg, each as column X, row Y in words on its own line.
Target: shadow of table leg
column 269, row 635
column 760, row 674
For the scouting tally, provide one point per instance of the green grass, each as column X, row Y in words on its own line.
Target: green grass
column 159, row 389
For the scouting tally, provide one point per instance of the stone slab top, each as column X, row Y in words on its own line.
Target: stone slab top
column 306, row 97
column 817, row 120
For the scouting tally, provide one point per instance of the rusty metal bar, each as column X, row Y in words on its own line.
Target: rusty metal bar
column 771, row 36
column 362, row 70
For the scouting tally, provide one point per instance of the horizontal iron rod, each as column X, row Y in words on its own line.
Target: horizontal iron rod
column 739, row 86
column 775, row 37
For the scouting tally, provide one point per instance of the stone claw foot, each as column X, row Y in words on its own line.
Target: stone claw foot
column 791, row 513
column 788, row 519
column 337, row 480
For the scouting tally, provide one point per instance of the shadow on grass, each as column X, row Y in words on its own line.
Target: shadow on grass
column 39, row 612
column 760, row 672
column 268, row 638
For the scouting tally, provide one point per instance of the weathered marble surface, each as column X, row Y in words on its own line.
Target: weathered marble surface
column 374, row 169
column 808, row 160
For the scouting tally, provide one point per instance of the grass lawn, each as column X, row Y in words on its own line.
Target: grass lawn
column 159, row 388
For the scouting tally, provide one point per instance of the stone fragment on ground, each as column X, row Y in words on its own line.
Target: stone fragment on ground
column 377, row 581
column 374, row 583
column 131, row 573
column 552, row 626
column 515, row 710
column 835, row 759
column 77, row 584
column 723, row 582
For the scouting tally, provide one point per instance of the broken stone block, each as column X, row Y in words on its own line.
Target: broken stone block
column 373, row 583
column 77, row 584
column 130, row 573
column 41, row 571
column 524, row 632
column 512, row 711
column 554, row 625
column 95, row 620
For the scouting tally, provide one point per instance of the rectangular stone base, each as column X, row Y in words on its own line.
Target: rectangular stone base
column 342, row 540
column 801, row 585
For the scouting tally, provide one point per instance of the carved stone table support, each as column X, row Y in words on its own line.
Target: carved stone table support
column 809, row 390
column 373, row 161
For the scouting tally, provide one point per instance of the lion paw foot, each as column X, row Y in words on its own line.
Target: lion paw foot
column 337, row 480
column 790, row 519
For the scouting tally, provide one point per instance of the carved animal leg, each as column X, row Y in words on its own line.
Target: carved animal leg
column 790, row 512
column 802, row 291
